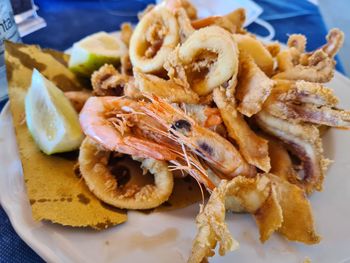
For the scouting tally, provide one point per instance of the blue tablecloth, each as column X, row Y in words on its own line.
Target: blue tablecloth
column 70, row 20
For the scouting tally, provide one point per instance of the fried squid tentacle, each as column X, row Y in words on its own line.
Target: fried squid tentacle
column 212, row 227
column 316, row 66
column 304, row 141
column 253, row 148
column 297, row 41
column 335, row 40
column 126, row 33
column 274, row 48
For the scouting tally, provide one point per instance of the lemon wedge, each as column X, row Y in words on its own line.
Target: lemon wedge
column 93, row 51
column 51, row 119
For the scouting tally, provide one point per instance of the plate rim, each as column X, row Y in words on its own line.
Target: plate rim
column 45, row 254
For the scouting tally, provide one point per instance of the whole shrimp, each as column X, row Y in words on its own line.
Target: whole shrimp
column 161, row 131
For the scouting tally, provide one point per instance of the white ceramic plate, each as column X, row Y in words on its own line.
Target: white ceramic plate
column 167, row 237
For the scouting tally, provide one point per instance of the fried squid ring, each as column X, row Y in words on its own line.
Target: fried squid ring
column 207, row 59
column 93, row 163
column 304, row 142
column 154, row 37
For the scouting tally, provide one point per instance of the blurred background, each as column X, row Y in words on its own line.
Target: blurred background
column 63, row 22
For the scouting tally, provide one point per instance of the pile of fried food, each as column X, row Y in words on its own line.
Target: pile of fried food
column 207, row 99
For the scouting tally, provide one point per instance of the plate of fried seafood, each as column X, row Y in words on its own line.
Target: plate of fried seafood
column 199, row 142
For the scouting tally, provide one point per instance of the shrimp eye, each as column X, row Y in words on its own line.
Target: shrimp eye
column 181, row 125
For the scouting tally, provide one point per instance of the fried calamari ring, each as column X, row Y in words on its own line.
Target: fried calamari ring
column 154, row 37
column 93, row 161
column 207, row 59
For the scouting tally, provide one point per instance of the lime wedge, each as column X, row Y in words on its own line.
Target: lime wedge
column 92, row 52
column 51, row 119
